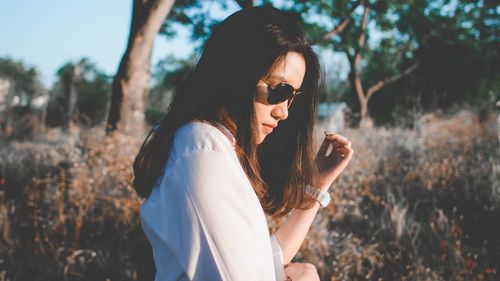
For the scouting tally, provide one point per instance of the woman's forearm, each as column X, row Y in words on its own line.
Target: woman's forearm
column 292, row 232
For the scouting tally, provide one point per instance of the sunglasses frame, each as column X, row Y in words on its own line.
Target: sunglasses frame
column 272, row 88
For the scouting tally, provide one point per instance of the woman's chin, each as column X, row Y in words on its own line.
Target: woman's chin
column 261, row 138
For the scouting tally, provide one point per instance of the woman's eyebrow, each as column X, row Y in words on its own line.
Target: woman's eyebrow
column 281, row 78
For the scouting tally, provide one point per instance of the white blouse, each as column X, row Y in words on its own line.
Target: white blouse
column 203, row 218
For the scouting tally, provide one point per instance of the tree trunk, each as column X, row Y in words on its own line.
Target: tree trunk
column 131, row 83
column 357, row 88
column 5, row 121
column 354, row 74
column 72, row 114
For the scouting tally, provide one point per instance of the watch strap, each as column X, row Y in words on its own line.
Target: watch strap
column 322, row 197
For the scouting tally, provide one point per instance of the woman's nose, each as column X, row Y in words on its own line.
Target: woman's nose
column 280, row 111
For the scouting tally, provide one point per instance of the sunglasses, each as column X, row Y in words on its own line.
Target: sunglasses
column 278, row 93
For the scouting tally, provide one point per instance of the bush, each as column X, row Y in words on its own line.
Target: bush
column 412, row 205
column 68, row 210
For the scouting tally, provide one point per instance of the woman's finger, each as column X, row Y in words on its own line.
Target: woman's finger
column 340, row 148
column 344, row 151
column 338, row 138
column 323, row 149
column 328, row 147
column 335, row 135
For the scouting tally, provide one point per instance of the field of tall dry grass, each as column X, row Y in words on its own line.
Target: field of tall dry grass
column 419, row 204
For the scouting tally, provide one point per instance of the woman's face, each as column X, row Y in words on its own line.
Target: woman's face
column 290, row 70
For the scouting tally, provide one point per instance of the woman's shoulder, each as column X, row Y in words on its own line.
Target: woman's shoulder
column 197, row 136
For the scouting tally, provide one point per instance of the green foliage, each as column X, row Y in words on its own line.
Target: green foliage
column 24, row 80
column 19, row 116
column 168, row 76
column 457, row 44
column 170, row 72
column 196, row 16
column 92, row 87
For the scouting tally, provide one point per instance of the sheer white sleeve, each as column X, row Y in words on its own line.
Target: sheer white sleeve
column 279, row 265
column 207, row 215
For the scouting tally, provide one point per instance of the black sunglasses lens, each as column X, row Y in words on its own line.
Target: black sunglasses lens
column 280, row 93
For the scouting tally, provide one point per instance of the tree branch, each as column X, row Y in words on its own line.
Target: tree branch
column 377, row 86
column 245, row 3
column 339, row 28
column 364, row 23
column 362, row 39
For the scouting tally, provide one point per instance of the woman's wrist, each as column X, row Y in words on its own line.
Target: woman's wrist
column 323, row 197
column 323, row 186
column 324, row 183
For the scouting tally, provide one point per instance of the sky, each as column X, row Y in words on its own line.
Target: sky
column 47, row 34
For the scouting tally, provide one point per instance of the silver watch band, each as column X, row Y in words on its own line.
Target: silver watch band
column 322, row 197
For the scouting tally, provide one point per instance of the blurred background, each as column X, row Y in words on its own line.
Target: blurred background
column 415, row 85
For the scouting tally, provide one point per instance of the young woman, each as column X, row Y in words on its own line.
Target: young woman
column 235, row 145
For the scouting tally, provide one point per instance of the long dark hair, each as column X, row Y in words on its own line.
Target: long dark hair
column 242, row 49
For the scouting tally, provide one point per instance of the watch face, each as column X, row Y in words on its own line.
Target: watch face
column 324, row 199
column 326, row 202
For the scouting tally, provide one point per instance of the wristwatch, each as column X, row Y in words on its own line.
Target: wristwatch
column 322, row 197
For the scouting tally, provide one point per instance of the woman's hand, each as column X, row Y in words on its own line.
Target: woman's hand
column 301, row 272
column 332, row 164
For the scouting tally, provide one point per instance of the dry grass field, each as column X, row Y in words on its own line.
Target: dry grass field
column 418, row 204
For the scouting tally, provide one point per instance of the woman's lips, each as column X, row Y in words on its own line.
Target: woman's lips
column 268, row 128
